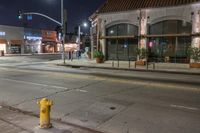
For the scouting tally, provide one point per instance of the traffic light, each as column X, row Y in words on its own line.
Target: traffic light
column 20, row 15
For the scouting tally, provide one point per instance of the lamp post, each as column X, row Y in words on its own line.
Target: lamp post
column 63, row 33
column 79, row 34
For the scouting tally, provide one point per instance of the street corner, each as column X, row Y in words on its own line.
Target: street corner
column 14, row 120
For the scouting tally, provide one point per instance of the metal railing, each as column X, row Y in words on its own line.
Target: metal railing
column 117, row 59
column 150, row 63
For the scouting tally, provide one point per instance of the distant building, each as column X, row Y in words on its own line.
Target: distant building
column 20, row 40
column 72, row 38
column 11, row 39
column 164, row 28
column 32, row 40
column 49, row 41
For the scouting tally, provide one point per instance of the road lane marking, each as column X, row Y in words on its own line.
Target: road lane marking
column 81, row 90
column 37, row 84
column 184, row 107
column 90, row 77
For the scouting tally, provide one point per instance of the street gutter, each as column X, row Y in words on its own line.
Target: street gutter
column 132, row 69
column 117, row 76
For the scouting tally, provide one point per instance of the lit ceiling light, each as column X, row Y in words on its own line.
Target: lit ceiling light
column 111, row 32
column 85, row 24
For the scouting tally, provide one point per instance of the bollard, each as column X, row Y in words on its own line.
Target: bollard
column 45, row 108
column 135, row 64
column 147, row 65
column 118, row 62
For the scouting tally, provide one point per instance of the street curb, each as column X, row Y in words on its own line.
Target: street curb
column 22, row 55
column 120, row 76
column 126, row 69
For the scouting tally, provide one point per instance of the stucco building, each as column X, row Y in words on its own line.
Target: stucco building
column 164, row 28
column 20, row 40
column 11, row 39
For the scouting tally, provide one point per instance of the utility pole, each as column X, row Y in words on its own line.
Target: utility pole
column 63, row 33
column 62, row 24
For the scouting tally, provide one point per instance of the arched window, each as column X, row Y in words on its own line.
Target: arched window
column 122, row 30
column 170, row 41
column 120, row 45
column 170, row 27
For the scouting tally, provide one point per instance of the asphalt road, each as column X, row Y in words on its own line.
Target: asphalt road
column 121, row 103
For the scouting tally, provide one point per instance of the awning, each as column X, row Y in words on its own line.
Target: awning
column 17, row 42
column 167, row 35
column 117, row 37
column 49, row 42
column 149, row 36
column 196, row 34
column 3, row 41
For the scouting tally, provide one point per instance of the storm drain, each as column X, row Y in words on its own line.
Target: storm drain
column 112, row 108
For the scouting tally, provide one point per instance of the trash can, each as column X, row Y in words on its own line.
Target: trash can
column 1, row 53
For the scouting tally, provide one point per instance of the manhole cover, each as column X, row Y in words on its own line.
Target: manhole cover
column 112, row 108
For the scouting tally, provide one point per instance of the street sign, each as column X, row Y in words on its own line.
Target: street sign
column 29, row 17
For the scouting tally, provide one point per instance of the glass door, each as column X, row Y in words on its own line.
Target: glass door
column 122, row 49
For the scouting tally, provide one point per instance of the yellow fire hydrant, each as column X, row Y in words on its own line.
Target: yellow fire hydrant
column 45, row 108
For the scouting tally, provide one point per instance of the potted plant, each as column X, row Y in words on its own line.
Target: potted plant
column 99, row 56
column 195, row 56
column 89, row 54
column 141, row 56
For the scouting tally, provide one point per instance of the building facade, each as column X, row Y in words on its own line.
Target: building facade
column 11, row 39
column 32, row 41
column 49, row 41
column 164, row 29
column 20, row 40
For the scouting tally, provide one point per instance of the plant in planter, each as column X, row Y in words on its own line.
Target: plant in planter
column 99, row 56
column 194, row 54
column 89, row 54
column 141, row 56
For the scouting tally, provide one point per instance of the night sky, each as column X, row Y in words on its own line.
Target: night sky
column 78, row 11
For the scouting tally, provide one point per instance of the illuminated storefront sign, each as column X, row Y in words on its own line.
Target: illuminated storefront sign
column 32, row 37
column 2, row 33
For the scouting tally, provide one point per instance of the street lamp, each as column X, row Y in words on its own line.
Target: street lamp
column 85, row 24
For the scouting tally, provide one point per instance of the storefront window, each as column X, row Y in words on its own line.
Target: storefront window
column 122, row 48
column 15, row 49
column 169, row 48
column 184, row 27
column 122, row 30
column 170, row 27
column 112, row 48
column 112, row 31
column 183, row 45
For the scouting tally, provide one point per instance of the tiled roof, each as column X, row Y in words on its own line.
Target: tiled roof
column 125, row 5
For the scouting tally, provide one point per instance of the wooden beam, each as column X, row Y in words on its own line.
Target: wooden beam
column 167, row 35
column 117, row 37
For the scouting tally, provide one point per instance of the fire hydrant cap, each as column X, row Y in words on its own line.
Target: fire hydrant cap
column 45, row 101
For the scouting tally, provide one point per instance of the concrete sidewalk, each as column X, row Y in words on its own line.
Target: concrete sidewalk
column 15, row 121
column 124, row 65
